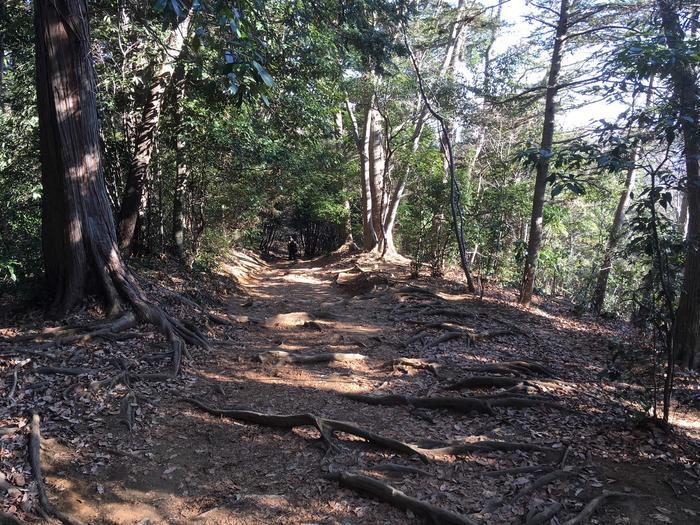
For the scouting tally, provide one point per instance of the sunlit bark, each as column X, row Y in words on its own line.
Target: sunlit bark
column 536, row 221
column 135, row 192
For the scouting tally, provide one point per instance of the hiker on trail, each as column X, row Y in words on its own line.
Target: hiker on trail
column 293, row 249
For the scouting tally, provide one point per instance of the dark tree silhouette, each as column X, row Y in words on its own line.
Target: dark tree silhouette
column 79, row 237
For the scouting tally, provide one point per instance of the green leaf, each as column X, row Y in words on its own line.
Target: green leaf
column 263, row 74
column 233, row 88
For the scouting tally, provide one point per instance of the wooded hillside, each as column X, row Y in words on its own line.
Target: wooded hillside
column 464, row 233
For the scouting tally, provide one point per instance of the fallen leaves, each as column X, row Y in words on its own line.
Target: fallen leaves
column 201, row 463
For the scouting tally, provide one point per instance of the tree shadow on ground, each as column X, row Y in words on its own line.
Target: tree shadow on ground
column 179, row 462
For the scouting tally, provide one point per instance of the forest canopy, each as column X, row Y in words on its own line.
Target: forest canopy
column 546, row 146
column 262, row 260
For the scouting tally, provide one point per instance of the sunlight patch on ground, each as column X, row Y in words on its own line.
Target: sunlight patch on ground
column 688, row 421
column 354, row 328
column 301, row 278
column 340, row 383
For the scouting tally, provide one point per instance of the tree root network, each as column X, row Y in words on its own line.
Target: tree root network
column 35, row 461
column 395, row 497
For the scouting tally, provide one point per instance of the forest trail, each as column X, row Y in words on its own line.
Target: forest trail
column 183, row 465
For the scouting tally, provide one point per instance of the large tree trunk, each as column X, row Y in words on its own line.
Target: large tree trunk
column 181, row 172
column 78, row 233
column 146, row 136
column 345, row 230
column 77, row 225
column 376, row 173
column 613, row 239
column 686, row 337
column 454, row 46
column 535, row 241
column 362, row 140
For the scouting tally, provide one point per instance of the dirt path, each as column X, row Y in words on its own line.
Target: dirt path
column 182, row 465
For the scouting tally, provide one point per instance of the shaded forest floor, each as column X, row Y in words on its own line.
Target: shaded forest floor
column 180, row 464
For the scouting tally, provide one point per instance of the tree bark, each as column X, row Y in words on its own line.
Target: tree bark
column 77, row 224
column 146, row 136
column 446, row 148
column 369, row 237
column 376, row 173
column 3, row 17
column 78, row 235
column 454, row 46
column 181, row 170
column 684, row 81
column 683, row 215
column 613, row 238
column 616, row 227
column 535, row 241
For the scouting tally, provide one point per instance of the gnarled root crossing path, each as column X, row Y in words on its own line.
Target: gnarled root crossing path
column 348, row 394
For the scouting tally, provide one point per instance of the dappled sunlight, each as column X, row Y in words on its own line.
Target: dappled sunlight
column 301, row 278
column 184, row 465
column 338, row 382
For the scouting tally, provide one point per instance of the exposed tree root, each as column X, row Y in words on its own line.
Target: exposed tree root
column 413, row 363
column 279, row 357
column 482, row 404
column 245, row 319
column 457, row 448
column 438, row 325
column 518, row 368
column 593, row 505
column 564, row 457
column 542, row 481
column 126, row 377
column 15, row 380
column 523, row 402
column 65, row 335
column 398, row 499
column 448, row 336
column 35, row 461
column 412, row 291
column 49, row 333
column 127, row 410
column 9, row 519
column 473, row 337
column 400, row 469
column 488, row 334
column 458, row 404
column 544, row 515
column 27, row 351
column 418, row 336
column 121, row 283
column 450, row 312
column 326, row 427
column 421, row 333
column 149, row 358
column 485, row 382
column 519, row 470
column 214, row 318
column 65, row 371
column 102, row 329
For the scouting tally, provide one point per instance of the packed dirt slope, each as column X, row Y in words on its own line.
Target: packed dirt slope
column 484, row 412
